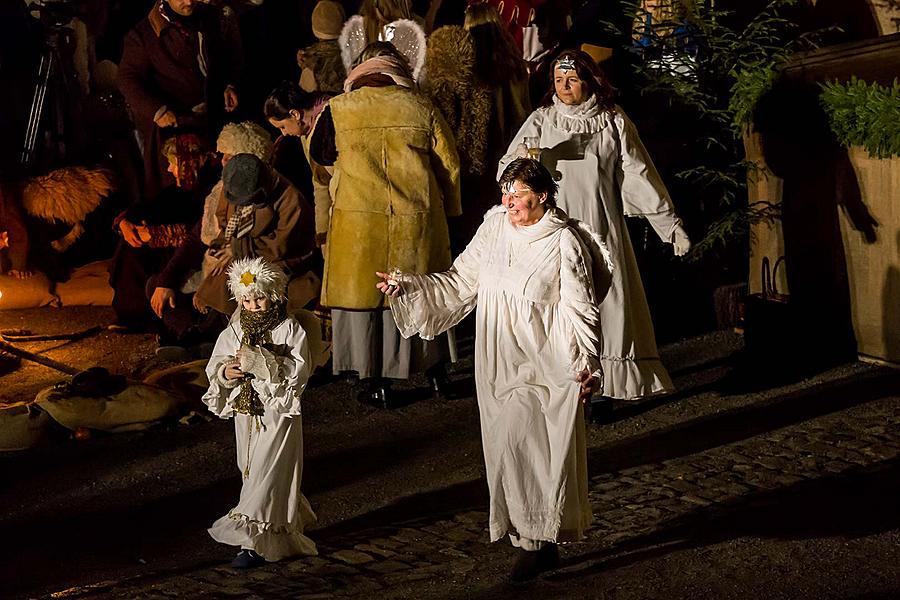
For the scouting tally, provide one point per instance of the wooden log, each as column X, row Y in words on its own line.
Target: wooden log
column 43, row 360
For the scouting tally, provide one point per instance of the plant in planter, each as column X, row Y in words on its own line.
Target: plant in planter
column 865, row 117
column 864, row 114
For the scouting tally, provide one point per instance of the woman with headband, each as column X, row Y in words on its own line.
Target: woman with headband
column 605, row 174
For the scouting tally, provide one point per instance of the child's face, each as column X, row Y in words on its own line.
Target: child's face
column 255, row 304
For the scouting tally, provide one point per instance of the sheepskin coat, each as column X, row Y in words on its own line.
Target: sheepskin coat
column 396, row 179
column 464, row 101
column 322, row 69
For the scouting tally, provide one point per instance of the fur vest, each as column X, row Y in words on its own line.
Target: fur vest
column 396, row 179
column 453, row 86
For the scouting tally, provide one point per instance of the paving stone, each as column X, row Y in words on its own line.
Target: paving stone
column 388, row 566
column 352, row 557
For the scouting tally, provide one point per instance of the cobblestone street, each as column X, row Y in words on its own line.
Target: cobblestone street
column 792, row 492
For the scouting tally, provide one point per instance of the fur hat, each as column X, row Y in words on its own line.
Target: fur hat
column 245, row 138
column 255, row 277
column 245, row 180
column 328, row 20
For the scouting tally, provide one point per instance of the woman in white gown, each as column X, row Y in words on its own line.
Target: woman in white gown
column 257, row 372
column 537, row 278
column 605, row 174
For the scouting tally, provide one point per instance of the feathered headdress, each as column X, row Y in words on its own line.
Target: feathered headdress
column 254, row 277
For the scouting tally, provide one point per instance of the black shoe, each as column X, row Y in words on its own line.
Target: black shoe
column 377, row 394
column 247, row 559
column 530, row 564
column 441, row 386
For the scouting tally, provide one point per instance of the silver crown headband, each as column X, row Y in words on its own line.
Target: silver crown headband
column 566, row 63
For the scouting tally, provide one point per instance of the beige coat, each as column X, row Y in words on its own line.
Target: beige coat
column 395, row 181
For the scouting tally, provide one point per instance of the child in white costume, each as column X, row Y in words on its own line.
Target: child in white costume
column 257, row 372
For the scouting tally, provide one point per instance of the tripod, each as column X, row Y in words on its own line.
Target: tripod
column 56, row 76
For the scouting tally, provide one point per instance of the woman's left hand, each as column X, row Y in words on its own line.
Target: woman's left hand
column 588, row 386
column 388, row 285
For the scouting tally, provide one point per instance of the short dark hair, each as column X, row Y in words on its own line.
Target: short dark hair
column 533, row 174
column 591, row 74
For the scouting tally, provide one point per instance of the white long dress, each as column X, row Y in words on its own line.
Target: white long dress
column 537, row 326
column 272, row 512
column 604, row 174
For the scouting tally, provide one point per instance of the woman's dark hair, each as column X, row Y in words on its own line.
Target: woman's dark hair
column 287, row 97
column 496, row 56
column 533, row 174
column 588, row 71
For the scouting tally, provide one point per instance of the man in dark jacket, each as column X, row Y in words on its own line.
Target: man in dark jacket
column 179, row 72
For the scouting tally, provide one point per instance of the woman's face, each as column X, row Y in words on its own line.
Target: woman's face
column 292, row 125
column 523, row 206
column 255, row 303
column 569, row 87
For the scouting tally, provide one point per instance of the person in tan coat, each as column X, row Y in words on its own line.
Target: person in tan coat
column 396, row 180
column 267, row 217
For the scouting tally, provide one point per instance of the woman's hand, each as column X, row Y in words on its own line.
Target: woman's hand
column 388, row 285
column 588, row 386
column 233, row 369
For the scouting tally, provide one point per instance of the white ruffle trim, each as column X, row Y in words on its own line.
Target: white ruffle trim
column 630, row 379
column 582, row 118
column 272, row 542
column 544, row 525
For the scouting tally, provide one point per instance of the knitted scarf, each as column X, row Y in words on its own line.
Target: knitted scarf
column 257, row 328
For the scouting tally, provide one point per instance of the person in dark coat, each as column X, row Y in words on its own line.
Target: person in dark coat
column 179, row 72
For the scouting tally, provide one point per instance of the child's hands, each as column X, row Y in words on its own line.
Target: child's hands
column 253, row 362
column 233, row 369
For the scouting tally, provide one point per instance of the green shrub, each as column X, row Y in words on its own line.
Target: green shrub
column 864, row 114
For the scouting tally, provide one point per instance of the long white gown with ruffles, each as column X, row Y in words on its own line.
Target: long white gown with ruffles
column 605, row 174
column 537, row 326
column 272, row 512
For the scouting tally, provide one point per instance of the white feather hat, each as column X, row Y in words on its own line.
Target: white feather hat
column 254, row 277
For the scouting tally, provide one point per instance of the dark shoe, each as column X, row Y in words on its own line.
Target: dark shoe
column 441, row 386
column 247, row 559
column 530, row 564
column 377, row 394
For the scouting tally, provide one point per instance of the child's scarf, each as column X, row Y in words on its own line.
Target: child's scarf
column 257, row 328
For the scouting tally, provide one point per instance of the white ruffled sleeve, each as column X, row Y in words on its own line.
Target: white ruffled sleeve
column 287, row 370
column 218, row 395
column 432, row 304
column 579, row 307
column 530, row 128
column 643, row 192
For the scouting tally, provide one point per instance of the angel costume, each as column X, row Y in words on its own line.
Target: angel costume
column 605, row 174
column 406, row 36
column 537, row 326
column 272, row 511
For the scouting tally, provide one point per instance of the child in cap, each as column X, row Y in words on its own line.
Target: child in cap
column 257, row 372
